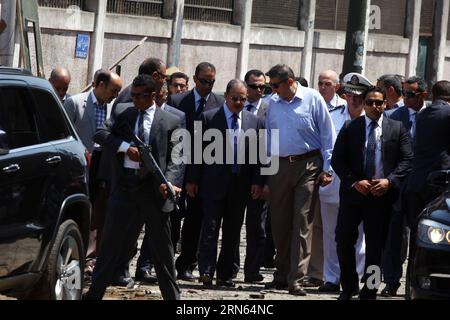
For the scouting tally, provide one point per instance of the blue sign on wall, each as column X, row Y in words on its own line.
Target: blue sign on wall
column 82, row 46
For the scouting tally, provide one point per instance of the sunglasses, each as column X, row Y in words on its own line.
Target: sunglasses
column 256, row 86
column 378, row 103
column 276, row 85
column 206, row 81
column 410, row 94
column 238, row 99
column 139, row 95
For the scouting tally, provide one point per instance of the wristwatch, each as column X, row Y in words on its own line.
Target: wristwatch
column 330, row 173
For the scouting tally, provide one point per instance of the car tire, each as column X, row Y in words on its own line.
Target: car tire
column 62, row 279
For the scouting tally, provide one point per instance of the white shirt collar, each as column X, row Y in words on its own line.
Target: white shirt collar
column 369, row 121
column 150, row 110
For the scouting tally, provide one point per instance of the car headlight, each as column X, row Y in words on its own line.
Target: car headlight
column 433, row 232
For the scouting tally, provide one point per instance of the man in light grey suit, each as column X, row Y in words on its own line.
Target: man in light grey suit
column 88, row 111
column 256, row 216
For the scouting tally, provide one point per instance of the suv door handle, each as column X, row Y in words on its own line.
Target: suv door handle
column 11, row 168
column 53, row 160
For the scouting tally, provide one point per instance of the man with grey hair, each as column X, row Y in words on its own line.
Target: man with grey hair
column 328, row 84
column 225, row 188
column 60, row 80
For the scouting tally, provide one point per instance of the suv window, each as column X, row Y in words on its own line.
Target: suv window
column 52, row 125
column 17, row 121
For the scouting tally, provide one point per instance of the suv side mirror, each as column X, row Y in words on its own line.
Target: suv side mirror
column 439, row 179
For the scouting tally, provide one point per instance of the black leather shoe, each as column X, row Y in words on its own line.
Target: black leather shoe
column 253, row 278
column 146, row 277
column 347, row 295
column 186, row 276
column 329, row 287
column 276, row 285
column 310, row 282
column 206, row 279
column 225, row 283
column 297, row 291
column 390, row 290
column 122, row 281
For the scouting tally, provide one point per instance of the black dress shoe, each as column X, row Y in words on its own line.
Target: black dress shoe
column 329, row 287
column 206, row 279
column 278, row 285
column 122, row 281
column 186, row 276
column 225, row 283
column 310, row 282
column 297, row 291
column 253, row 278
column 347, row 295
column 146, row 277
column 390, row 290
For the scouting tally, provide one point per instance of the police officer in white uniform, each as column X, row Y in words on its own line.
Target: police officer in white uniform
column 354, row 86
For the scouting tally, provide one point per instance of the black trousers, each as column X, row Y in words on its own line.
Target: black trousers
column 255, row 224
column 190, row 233
column 132, row 204
column 374, row 212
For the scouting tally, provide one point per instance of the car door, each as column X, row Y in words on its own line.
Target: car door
column 25, row 171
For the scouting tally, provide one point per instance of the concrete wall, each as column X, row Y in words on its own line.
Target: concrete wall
column 214, row 42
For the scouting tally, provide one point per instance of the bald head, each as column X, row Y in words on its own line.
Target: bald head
column 60, row 80
column 328, row 84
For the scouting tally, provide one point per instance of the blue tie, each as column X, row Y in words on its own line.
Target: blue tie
column 235, row 126
column 249, row 108
column 201, row 107
column 370, row 151
column 141, row 132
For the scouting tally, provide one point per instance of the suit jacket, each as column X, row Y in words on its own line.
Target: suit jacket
column 123, row 97
column 186, row 102
column 178, row 113
column 431, row 145
column 348, row 156
column 81, row 110
column 261, row 114
column 213, row 179
column 400, row 114
column 120, row 129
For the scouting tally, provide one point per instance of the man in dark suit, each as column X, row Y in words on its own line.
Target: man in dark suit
column 223, row 187
column 394, row 253
column 371, row 156
column 431, row 153
column 137, row 196
column 193, row 103
column 153, row 67
column 257, row 209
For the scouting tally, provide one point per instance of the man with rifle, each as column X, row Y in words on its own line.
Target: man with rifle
column 138, row 192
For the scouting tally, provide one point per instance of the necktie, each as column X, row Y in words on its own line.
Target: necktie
column 201, row 107
column 412, row 123
column 141, row 132
column 249, row 107
column 235, row 126
column 370, row 151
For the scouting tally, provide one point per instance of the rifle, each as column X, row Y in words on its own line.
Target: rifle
column 152, row 166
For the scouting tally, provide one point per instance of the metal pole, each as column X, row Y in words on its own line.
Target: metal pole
column 356, row 36
column 173, row 54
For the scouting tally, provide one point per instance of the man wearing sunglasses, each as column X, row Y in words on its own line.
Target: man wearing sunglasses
column 372, row 156
column 153, row 67
column 193, row 103
column 178, row 83
column 306, row 137
column 392, row 84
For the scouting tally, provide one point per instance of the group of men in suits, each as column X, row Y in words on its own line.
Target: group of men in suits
column 370, row 164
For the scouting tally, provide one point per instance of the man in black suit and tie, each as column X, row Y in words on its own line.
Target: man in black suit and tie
column 225, row 188
column 257, row 209
column 137, row 196
column 371, row 156
column 431, row 153
column 193, row 103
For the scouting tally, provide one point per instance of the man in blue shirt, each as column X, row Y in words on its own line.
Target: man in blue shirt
column 304, row 147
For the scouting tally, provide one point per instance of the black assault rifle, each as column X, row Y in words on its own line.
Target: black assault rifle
column 150, row 163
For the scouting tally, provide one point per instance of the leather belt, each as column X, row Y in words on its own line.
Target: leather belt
column 130, row 171
column 303, row 156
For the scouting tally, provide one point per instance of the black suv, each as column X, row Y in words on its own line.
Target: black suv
column 44, row 205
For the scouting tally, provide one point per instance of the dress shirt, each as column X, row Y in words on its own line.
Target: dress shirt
column 304, row 125
column 229, row 117
column 334, row 103
column 197, row 99
column 379, row 173
column 255, row 104
column 148, row 119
